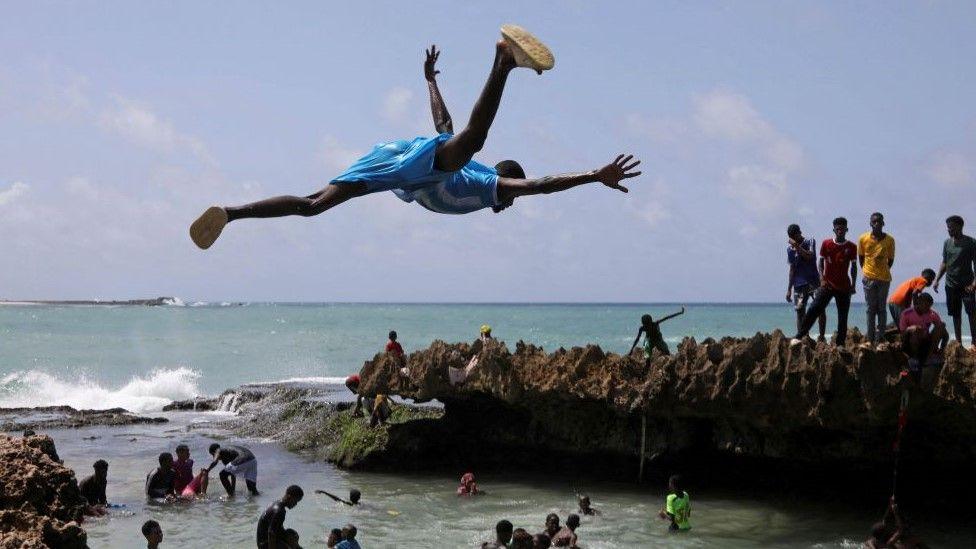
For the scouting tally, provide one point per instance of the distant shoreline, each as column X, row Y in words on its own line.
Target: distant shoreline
column 154, row 302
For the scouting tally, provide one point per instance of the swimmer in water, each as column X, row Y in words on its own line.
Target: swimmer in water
column 271, row 525
column 159, row 483
column 182, row 469
column 566, row 537
column 503, row 536
column 335, row 536
column 468, row 487
column 238, row 461
column 584, row 506
column 354, row 496
column 552, row 525
column 93, row 489
column 437, row 172
column 153, row 533
column 677, row 507
column 348, row 538
column 291, row 539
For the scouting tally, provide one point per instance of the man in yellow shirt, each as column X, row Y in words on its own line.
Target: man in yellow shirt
column 876, row 254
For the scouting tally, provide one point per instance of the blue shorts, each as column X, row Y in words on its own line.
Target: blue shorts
column 407, row 169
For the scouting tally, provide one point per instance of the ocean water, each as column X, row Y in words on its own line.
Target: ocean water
column 141, row 358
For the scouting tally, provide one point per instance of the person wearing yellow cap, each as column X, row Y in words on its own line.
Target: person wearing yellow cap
column 486, row 333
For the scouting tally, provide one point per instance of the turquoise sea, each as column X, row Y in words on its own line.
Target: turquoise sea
column 141, row 358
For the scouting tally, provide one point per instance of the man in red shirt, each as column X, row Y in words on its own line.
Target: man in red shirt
column 838, row 271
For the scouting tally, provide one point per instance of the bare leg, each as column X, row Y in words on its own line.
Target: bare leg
column 458, row 150
column 227, row 480
column 307, row 206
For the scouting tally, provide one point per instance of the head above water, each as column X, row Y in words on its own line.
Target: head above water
column 293, row 494
column 165, row 460
column 335, row 536
column 504, row 530
column 552, row 523
column 573, row 521
column 793, row 231
column 349, row 532
column 676, row 484
column 521, row 539
column 152, row 531
column 954, row 225
column 541, row 541
column 393, row 335
column 354, row 495
column 510, row 169
column 584, row 502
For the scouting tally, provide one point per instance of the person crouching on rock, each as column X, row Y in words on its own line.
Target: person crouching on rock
column 159, row 483
column 153, row 533
column 924, row 334
column 381, row 411
column 653, row 339
column 468, row 486
column 352, row 383
column 93, row 489
column 238, row 461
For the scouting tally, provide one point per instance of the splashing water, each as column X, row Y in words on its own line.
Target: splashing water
column 141, row 394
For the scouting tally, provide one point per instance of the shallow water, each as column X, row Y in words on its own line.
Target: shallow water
column 422, row 510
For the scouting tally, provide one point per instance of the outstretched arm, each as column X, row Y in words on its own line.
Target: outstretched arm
column 610, row 175
column 639, row 332
column 442, row 118
column 333, row 496
column 679, row 313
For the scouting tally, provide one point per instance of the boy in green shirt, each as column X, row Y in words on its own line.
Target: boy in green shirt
column 677, row 506
column 958, row 260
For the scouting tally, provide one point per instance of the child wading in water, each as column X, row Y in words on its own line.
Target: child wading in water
column 677, row 506
column 652, row 335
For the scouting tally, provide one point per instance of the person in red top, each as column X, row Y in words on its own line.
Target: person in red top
column 904, row 295
column 394, row 348
column 925, row 334
column 838, row 271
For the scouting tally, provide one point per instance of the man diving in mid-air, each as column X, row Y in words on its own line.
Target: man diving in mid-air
column 436, row 172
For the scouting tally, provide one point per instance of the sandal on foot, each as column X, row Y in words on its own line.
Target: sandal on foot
column 528, row 50
column 208, row 226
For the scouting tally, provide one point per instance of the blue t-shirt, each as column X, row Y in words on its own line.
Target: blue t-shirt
column 804, row 270
column 348, row 544
column 473, row 187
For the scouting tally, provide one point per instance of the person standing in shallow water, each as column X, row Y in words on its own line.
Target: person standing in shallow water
column 804, row 278
column 876, row 255
column 271, row 525
column 93, row 488
column 653, row 339
column 677, row 506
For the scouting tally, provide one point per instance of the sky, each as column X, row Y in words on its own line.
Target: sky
column 120, row 122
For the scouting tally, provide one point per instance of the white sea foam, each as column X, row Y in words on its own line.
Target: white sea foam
column 141, row 394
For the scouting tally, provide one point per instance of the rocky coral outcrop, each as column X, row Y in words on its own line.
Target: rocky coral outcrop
column 58, row 417
column 756, row 398
column 40, row 504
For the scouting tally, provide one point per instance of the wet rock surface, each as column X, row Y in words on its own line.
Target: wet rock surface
column 40, row 504
column 751, row 403
column 53, row 417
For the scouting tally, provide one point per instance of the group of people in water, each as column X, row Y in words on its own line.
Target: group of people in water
column 813, row 283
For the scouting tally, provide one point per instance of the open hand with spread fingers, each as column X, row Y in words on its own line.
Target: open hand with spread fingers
column 429, row 72
column 613, row 173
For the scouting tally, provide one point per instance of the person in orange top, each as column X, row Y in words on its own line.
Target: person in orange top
column 903, row 295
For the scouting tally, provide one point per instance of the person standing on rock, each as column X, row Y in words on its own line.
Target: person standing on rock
column 271, row 525
column 876, row 255
column 838, row 271
column 394, row 349
column 958, row 261
column 238, row 461
column 653, row 339
column 439, row 172
column 804, row 278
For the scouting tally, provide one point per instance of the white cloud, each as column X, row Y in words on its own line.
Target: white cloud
column 952, row 169
column 397, row 103
column 138, row 123
column 335, row 155
column 16, row 190
column 762, row 182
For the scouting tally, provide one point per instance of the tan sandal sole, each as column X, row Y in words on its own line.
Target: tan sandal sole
column 528, row 50
column 208, row 226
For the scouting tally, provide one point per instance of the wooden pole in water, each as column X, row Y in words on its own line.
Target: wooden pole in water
column 640, row 475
